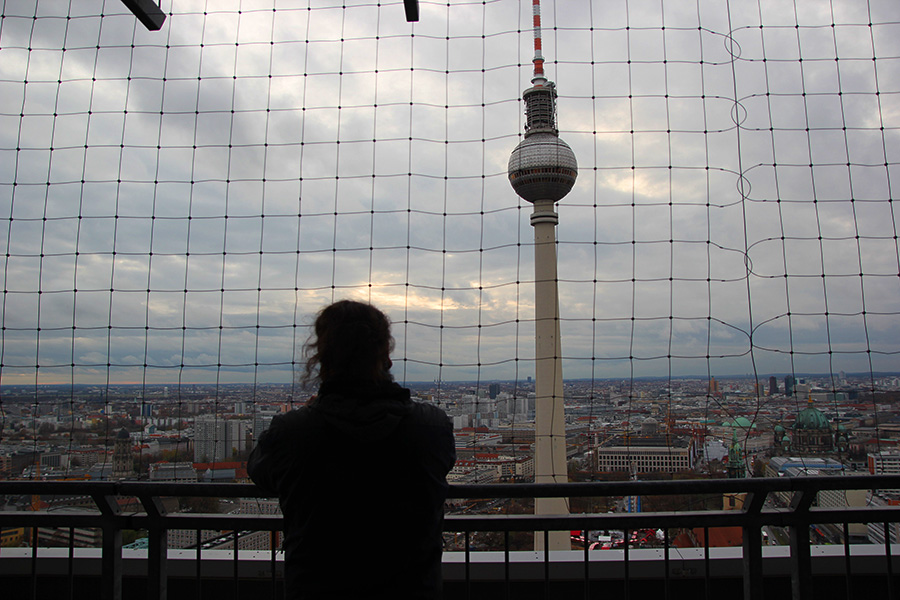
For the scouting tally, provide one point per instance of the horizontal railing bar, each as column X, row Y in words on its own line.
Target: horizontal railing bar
column 515, row 522
column 494, row 490
column 216, row 521
column 174, row 521
column 780, row 517
column 761, row 485
column 645, row 520
column 130, row 488
column 50, row 519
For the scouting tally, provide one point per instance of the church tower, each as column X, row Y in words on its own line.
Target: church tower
column 122, row 458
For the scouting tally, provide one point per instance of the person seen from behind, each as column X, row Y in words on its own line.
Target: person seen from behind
column 360, row 471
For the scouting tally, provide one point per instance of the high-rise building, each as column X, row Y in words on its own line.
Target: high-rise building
column 773, row 385
column 261, row 422
column 217, row 439
column 789, row 385
column 244, row 407
column 209, row 438
column 240, row 437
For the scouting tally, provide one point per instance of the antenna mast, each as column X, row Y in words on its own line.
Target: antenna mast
column 538, row 57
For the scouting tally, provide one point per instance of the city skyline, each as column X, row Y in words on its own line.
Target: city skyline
column 525, row 378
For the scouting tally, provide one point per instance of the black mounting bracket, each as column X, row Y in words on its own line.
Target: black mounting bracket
column 147, row 12
column 412, row 10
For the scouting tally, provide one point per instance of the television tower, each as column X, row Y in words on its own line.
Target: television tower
column 542, row 170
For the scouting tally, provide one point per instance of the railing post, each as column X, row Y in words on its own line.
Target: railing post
column 468, row 565
column 111, row 560
column 157, row 551
column 546, row 534
column 35, row 539
column 752, row 547
column 273, row 546
column 801, row 568
column 848, row 567
column 666, row 575
column 71, row 565
column 506, row 577
column 626, row 563
column 888, row 556
column 587, row 563
column 707, row 593
column 111, row 564
column 234, row 566
column 198, row 564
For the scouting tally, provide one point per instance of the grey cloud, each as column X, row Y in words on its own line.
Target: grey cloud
column 417, row 250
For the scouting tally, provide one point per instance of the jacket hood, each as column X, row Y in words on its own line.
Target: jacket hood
column 368, row 413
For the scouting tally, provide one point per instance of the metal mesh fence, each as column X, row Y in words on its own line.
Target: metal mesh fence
column 176, row 205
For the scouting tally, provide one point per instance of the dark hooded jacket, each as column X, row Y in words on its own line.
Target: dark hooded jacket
column 360, row 473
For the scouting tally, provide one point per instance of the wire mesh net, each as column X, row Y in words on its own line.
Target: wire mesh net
column 177, row 205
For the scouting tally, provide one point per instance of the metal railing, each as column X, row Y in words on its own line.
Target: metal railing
column 797, row 516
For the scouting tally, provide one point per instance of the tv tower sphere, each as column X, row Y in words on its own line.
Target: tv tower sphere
column 542, row 166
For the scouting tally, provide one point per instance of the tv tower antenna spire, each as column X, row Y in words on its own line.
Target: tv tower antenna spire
column 542, row 170
column 538, row 57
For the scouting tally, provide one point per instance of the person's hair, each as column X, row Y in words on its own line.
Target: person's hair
column 350, row 341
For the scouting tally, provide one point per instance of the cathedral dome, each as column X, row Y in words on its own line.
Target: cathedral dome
column 740, row 422
column 811, row 418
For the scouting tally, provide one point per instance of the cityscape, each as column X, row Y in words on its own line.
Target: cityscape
column 652, row 429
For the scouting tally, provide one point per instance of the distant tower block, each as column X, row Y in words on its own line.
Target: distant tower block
column 542, row 170
column 122, row 457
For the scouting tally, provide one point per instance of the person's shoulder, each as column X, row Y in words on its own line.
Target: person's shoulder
column 429, row 414
column 433, row 431
column 290, row 422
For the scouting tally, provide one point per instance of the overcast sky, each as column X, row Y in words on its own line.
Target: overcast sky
column 213, row 184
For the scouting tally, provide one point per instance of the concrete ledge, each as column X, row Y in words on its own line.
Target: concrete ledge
column 684, row 563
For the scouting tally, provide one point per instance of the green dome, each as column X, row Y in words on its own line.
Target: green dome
column 811, row 418
column 779, row 429
column 742, row 422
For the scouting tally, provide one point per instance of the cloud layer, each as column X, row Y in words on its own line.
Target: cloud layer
column 176, row 205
